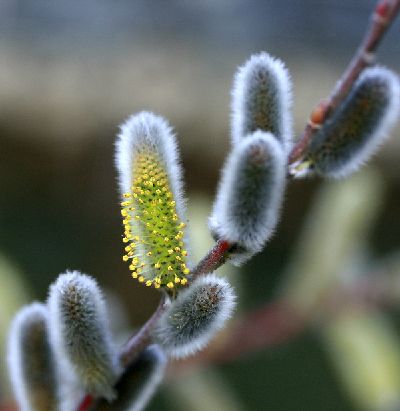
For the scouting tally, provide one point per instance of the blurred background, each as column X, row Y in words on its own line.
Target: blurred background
column 71, row 72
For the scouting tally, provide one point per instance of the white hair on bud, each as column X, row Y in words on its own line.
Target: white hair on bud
column 359, row 126
column 152, row 132
column 80, row 333
column 250, row 194
column 139, row 381
column 194, row 318
column 30, row 360
column 262, row 99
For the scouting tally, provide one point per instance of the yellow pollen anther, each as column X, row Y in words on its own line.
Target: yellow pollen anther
column 177, row 280
column 126, row 195
column 125, row 240
column 148, row 283
column 170, row 285
column 141, row 279
column 184, row 281
column 134, row 275
column 184, row 253
column 125, row 258
column 166, row 239
column 124, row 212
column 170, row 251
column 156, row 285
column 149, row 253
column 169, row 268
column 186, row 271
column 128, row 248
column 157, row 265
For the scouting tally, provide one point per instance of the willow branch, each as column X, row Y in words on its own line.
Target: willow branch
column 382, row 17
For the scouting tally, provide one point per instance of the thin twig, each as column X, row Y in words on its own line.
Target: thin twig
column 216, row 257
column 383, row 16
column 140, row 340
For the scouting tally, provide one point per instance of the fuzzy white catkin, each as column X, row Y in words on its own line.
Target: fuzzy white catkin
column 31, row 361
column 139, row 382
column 80, row 333
column 194, row 318
column 262, row 99
column 355, row 131
column 146, row 130
column 250, row 194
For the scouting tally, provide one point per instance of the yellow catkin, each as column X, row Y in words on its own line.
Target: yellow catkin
column 152, row 230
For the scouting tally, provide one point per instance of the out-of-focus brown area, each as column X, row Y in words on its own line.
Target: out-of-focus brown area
column 70, row 72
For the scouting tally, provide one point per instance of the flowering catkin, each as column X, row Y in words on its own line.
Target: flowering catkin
column 196, row 315
column 31, row 362
column 353, row 133
column 250, row 193
column 80, row 335
column 153, row 208
column 261, row 99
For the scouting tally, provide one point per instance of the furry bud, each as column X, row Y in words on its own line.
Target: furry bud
column 80, row 334
column 30, row 359
column 358, row 127
column 250, row 193
column 193, row 319
column 139, row 382
column 152, row 206
column 261, row 99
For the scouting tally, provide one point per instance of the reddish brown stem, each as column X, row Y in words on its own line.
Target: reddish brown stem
column 213, row 260
column 383, row 16
column 86, row 403
column 140, row 340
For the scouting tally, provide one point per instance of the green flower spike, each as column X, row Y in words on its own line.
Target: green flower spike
column 152, row 206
